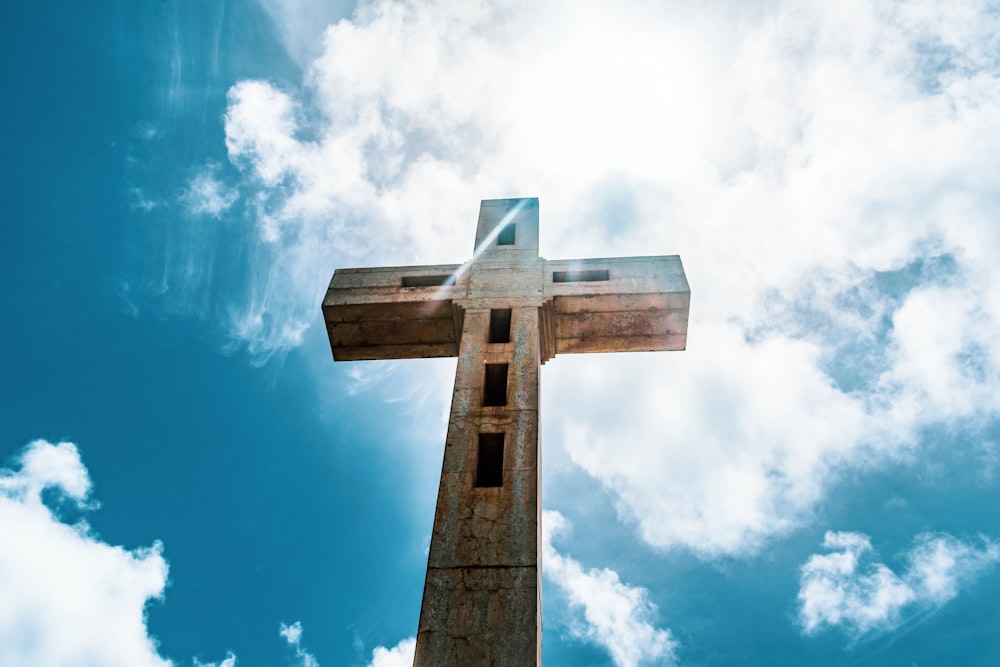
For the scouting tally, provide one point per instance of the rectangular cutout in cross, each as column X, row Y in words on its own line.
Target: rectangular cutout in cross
column 500, row 325
column 428, row 281
column 489, row 461
column 495, row 385
column 506, row 235
column 581, row 276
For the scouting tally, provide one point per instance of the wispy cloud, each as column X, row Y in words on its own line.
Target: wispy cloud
column 852, row 590
column 616, row 616
column 229, row 661
column 293, row 635
column 301, row 24
column 138, row 200
column 205, row 194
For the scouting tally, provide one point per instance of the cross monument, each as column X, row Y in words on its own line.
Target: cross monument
column 503, row 313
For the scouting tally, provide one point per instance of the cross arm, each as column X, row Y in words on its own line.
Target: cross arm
column 623, row 304
column 400, row 312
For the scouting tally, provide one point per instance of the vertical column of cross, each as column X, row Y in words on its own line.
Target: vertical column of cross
column 481, row 596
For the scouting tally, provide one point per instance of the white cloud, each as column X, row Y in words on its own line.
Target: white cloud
column 714, row 459
column 293, row 635
column 851, row 589
column 229, row 661
column 616, row 616
column 207, row 195
column 400, row 655
column 794, row 153
column 939, row 564
column 69, row 598
column 945, row 366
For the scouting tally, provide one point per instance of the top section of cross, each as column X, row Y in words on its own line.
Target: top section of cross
column 507, row 231
column 616, row 304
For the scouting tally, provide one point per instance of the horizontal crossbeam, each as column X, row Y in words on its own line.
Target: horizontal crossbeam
column 623, row 304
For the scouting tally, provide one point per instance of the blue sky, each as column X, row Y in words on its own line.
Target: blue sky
column 186, row 477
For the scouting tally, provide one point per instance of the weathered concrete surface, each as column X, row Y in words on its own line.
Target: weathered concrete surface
column 482, row 594
column 370, row 314
column 643, row 306
column 459, row 603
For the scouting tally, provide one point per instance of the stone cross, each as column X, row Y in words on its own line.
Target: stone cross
column 503, row 313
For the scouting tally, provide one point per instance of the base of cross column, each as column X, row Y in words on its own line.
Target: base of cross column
column 485, row 616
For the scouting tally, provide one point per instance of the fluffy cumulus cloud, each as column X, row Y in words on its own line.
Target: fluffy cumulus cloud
column 616, row 616
column 851, row 589
column 826, row 170
column 68, row 597
column 400, row 655
column 733, row 448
